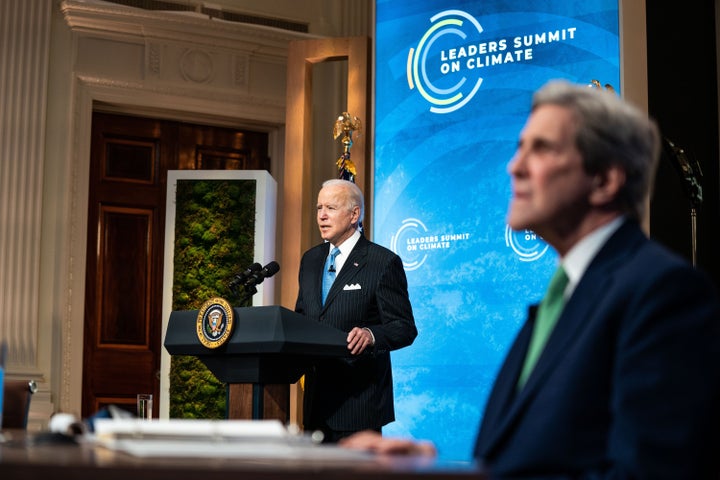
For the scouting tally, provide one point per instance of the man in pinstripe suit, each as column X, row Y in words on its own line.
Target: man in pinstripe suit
column 369, row 300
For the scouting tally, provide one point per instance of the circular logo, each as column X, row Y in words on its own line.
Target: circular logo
column 214, row 322
column 439, row 65
column 400, row 243
column 528, row 245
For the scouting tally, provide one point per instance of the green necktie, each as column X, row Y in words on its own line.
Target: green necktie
column 547, row 315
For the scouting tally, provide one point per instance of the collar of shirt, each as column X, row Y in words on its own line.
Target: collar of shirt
column 345, row 249
column 579, row 257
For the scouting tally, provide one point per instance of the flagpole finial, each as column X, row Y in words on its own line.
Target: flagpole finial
column 594, row 83
column 346, row 125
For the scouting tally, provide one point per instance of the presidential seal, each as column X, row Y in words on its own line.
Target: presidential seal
column 214, row 322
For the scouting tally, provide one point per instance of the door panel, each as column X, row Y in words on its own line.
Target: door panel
column 125, row 267
column 130, row 157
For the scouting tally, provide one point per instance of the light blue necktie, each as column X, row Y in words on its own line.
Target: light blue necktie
column 548, row 312
column 329, row 273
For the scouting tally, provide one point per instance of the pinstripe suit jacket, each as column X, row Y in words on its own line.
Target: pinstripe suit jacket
column 356, row 393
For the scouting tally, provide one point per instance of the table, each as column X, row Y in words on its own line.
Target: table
column 37, row 456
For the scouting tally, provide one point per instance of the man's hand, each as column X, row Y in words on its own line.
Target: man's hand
column 372, row 441
column 359, row 339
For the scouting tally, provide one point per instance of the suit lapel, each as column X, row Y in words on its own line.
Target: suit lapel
column 590, row 292
column 505, row 406
column 507, row 402
column 574, row 317
column 351, row 268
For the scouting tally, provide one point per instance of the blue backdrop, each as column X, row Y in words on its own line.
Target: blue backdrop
column 452, row 90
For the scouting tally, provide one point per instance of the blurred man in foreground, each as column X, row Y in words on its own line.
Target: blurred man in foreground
column 619, row 375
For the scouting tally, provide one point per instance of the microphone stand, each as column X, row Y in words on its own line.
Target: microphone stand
column 248, row 292
column 693, row 189
column 695, row 196
column 693, row 232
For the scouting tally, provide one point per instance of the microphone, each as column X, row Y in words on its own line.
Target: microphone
column 241, row 278
column 256, row 278
column 688, row 170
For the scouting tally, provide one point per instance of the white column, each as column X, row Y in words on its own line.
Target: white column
column 24, row 47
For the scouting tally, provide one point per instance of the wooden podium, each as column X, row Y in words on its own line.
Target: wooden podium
column 270, row 348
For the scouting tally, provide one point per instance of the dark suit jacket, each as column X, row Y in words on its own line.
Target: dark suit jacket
column 369, row 291
column 629, row 383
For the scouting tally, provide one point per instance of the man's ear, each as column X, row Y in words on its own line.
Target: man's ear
column 606, row 186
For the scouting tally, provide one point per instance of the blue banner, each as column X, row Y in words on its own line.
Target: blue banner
column 452, row 92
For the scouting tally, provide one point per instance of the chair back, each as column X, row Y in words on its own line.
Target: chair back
column 16, row 403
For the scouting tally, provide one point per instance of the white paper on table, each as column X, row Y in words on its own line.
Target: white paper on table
column 214, row 438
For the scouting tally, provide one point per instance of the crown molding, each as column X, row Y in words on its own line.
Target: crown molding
column 108, row 20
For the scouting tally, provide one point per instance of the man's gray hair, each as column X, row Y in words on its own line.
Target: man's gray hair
column 610, row 131
column 354, row 194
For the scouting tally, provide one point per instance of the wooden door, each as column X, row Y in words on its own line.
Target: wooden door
column 130, row 157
